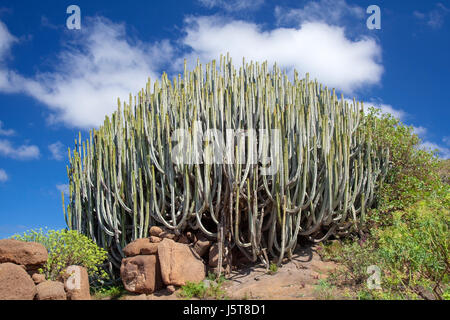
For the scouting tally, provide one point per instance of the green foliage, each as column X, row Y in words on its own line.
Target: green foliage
column 113, row 292
column 444, row 171
column 407, row 232
column 273, row 268
column 354, row 256
column 412, row 253
column 192, row 289
column 324, row 290
column 214, row 277
column 446, row 295
column 415, row 248
column 413, row 172
column 67, row 248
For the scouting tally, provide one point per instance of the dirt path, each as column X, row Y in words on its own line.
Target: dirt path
column 297, row 279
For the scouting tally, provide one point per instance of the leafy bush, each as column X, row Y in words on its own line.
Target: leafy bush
column 113, row 292
column 325, row 290
column 407, row 233
column 192, row 289
column 203, row 291
column 413, row 172
column 65, row 248
column 444, row 170
column 273, row 268
column 414, row 250
column 354, row 257
column 412, row 254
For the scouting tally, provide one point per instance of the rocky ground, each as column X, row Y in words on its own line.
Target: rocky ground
column 302, row 278
column 157, row 267
column 297, row 279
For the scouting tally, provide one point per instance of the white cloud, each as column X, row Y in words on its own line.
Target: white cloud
column 6, row 41
column 317, row 48
column 24, row 152
column 63, row 188
column 232, row 5
column 5, row 132
column 384, row 108
column 434, row 18
column 94, row 68
column 101, row 63
column 7, row 77
column 327, row 11
column 3, row 176
column 45, row 22
column 57, row 151
column 419, row 15
column 443, row 152
column 446, row 140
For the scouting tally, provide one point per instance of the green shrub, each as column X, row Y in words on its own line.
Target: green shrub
column 354, row 257
column 325, row 290
column 444, row 171
column 407, row 232
column 413, row 173
column 202, row 291
column 65, row 248
column 273, row 268
column 414, row 250
column 412, row 254
column 192, row 289
column 113, row 292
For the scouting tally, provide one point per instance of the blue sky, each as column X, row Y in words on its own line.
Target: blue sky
column 56, row 82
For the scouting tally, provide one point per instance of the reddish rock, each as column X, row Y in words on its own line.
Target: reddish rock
column 141, row 274
column 38, row 278
column 183, row 239
column 32, row 255
column 76, row 283
column 155, row 231
column 202, row 245
column 171, row 289
column 142, row 246
column 214, row 255
column 15, row 283
column 179, row 264
column 192, row 238
column 50, row 290
column 168, row 235
column 154, row 239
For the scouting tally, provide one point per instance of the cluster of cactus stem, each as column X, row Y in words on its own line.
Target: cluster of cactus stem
column 136, row 171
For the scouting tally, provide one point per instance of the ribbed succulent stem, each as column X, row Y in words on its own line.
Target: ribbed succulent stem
column 245, row 156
